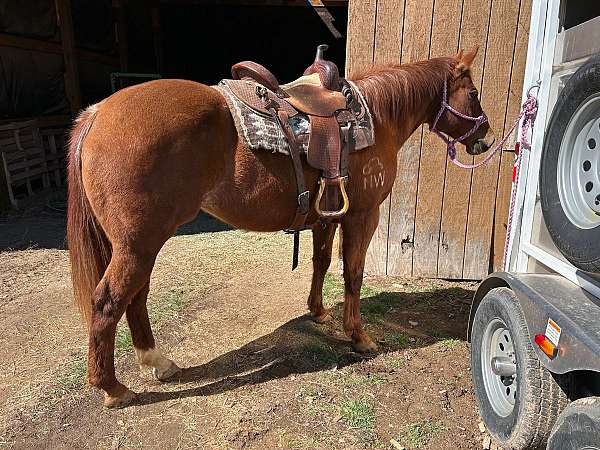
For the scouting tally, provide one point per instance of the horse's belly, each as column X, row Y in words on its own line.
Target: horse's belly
column 272, row 211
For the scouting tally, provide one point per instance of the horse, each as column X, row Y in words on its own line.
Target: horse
column 154, row 155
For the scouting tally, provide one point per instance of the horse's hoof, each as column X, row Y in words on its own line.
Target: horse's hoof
column 322, row 316
column 166, row 374
column 365, row 346
column 121, row 401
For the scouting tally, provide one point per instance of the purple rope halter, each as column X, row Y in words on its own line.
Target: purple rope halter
column 451, row 143
column 528, row 112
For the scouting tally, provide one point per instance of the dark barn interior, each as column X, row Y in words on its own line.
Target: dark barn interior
column 58, row 56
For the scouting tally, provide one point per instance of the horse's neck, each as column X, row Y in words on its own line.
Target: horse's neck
column 398, row 133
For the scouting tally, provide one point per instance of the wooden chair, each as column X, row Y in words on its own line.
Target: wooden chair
column 54, row 141
column 23, row 156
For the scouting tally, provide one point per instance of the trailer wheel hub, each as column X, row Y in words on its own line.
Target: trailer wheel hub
column 499, row 367
column 578, row 174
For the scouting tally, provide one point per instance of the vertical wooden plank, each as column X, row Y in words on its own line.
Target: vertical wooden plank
column 415, row 47
column 388, row 35
column 496, row 83
column 361, row 33
column 444, row 42
column 507, row 159
column 474, row 29
column 65, row 22
column 360, row 49
column 388, row 45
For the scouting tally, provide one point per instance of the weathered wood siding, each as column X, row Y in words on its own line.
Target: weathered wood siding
column 450, row 222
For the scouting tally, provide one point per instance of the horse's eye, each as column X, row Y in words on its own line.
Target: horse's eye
column 473, row 94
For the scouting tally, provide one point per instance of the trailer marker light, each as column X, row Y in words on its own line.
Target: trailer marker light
column 546, row 346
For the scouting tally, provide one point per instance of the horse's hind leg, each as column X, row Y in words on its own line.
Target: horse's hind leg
column 126, row 274
column 322, row 243
column 143, row 340
column 358, row 230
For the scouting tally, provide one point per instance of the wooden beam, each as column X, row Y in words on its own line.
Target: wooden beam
column 8, row 40
column 65, row 22
column 326, row 17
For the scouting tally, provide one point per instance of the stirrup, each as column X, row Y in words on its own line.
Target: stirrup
column 341, row 182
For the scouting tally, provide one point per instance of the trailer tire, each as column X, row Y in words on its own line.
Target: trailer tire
column 578, row 426
column 569, row 184
column 538, row 397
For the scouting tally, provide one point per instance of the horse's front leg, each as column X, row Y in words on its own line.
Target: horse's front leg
column 358, row 229
column 322, row 243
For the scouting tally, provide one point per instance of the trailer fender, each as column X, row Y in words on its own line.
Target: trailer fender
column 551, row 296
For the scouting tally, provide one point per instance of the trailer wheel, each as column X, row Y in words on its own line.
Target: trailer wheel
column 570, row 169
column 578, row 426
column 518, row 399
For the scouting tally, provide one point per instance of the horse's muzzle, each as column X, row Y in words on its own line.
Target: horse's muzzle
column 480, row 146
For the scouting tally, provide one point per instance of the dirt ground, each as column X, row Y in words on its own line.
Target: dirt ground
column 258, row 373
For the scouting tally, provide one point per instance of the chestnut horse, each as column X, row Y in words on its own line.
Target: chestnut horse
column 151, row 157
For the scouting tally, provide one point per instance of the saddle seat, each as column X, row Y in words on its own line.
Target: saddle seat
column 307, row 93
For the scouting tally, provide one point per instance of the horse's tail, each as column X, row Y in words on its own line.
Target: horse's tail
column 89, row 249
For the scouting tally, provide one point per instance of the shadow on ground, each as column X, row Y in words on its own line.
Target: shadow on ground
column 302, row 346
column 41, row 222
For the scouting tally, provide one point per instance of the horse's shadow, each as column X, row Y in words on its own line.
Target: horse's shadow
column 302, row 346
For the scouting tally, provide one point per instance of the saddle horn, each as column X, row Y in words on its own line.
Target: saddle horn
column 327, row 70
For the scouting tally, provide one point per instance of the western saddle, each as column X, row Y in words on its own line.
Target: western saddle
column 330, row 105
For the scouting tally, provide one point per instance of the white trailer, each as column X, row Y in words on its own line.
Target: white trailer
column 535, row 328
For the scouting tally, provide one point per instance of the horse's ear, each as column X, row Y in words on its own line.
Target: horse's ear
column 467, row 59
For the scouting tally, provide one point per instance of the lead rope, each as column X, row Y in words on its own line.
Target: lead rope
column 528, row 113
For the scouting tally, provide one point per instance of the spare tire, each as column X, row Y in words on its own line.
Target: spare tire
column 570, row 169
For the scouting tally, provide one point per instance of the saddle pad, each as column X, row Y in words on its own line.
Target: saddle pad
column 261, row 132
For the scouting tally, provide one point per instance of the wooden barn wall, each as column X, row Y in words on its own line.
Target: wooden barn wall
column 440, row 220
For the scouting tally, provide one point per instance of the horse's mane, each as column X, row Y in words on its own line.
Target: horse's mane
column 393, row 90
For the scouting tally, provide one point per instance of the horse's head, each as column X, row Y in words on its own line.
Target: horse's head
column 460, row 115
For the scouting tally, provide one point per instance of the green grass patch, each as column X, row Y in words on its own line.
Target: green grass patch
column 395, row 362
column 174, row 301
column 123, row 341
column 437, row 334
column 353, row 379
column 333, row 290
column 399, row 339
column 449, row 343
column 321, row 353
column 374, row 308
column 309, row 391
column 418, row 435
column 374, row 379
column 359, row 413
column 74, row 377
